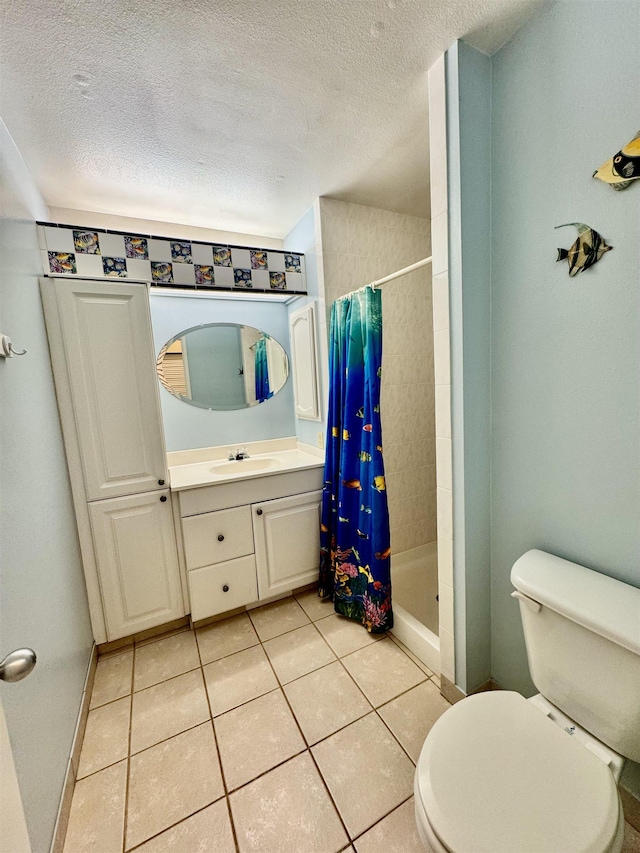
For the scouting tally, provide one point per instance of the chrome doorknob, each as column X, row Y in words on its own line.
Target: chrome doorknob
column 17, row 665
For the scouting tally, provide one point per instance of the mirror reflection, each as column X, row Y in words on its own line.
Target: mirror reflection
column 223, row 366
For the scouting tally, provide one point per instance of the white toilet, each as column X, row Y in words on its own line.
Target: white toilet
column 502, row 774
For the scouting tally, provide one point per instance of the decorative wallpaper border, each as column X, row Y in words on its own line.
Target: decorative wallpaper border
column 68, row 250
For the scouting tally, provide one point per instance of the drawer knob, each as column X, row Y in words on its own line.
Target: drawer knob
column 225, row 588
column 258, row 512
column 220, row 537
column 163, row 498
column 161, row 482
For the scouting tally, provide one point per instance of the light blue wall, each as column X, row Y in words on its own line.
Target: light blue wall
column 302, row 238
column 468, row 76
column 43, row 601
column 565, row 352
column 187, row 427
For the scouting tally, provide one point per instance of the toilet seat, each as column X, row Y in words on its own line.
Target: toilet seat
column 497, row 776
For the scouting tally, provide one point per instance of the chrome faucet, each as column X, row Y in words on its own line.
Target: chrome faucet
column 238, row 454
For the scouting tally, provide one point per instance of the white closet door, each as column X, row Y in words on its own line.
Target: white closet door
column 287, row 537
column 111, row 367
column 137, row 562
column 302, row 332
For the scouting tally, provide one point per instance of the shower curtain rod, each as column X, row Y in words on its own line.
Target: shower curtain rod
column 394, row 275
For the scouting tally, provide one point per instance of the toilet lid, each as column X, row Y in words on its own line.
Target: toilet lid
column 496, row 775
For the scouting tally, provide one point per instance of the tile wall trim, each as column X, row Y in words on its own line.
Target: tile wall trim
column 195, row 266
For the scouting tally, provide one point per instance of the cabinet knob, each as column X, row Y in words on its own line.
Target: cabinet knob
column 258, row 512
column 220, row 537
column 163, row 498
column 161, row 482
column 225, row 588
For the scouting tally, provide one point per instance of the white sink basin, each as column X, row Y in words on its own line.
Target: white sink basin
column 240, row 467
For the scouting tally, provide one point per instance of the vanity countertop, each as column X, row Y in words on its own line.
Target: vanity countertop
column 218, row 469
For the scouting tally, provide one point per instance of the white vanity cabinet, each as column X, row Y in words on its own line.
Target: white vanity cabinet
column 103, row 362
column 286, row 533
column 236, row 555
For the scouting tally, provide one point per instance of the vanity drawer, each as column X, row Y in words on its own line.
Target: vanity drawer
column 216, row 589
column 217, row 536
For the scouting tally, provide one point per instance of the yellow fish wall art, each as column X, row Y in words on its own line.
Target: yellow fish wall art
column 586, row 251
column 623, row 168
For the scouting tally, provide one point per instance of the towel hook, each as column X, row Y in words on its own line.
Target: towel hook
column 6, row 348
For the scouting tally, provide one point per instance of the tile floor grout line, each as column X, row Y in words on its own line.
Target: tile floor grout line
column 177, row 734
column 394, row 736
column 215, row 740
column 116, row 653
column 177, row 823
column 384, row 817
column 128, row 779
column 290, row 631
column 373, row 707
column 420, row 664
column 308, row 749
column 264, row 772
column 386, row 702
column 193, row 668
column 404, row 692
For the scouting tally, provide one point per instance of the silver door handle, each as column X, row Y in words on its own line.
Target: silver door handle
column 17, row 665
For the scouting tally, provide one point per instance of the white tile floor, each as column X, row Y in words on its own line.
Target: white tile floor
column 268, row 732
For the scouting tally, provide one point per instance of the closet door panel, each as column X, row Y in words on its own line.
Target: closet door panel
column 111, row 367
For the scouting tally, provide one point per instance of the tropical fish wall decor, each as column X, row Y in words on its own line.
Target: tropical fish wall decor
column 623, row 168
column 586, row 251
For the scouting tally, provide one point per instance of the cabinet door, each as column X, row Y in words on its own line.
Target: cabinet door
column 302, row 330
column 106, row 330
column 137, row 562
column 287, row 537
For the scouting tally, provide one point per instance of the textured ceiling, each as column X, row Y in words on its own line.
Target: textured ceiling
column 232, row 115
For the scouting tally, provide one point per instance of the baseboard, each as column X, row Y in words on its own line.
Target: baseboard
column 147, row 634
column 64, row 808
column 488, row 685
column 631, row 807
column 449, row 690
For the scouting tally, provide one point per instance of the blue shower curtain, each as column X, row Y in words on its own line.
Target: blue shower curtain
column 263, row 391
column 355, row 562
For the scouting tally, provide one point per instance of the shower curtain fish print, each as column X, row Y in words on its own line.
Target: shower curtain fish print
column 263, row 391
column 355, row 557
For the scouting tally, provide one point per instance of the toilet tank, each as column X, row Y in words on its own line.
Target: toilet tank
column 582, row 631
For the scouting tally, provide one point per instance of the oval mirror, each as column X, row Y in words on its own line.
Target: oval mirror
column 223, row 366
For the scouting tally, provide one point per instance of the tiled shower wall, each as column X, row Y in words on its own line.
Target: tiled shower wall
column 361, row 244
